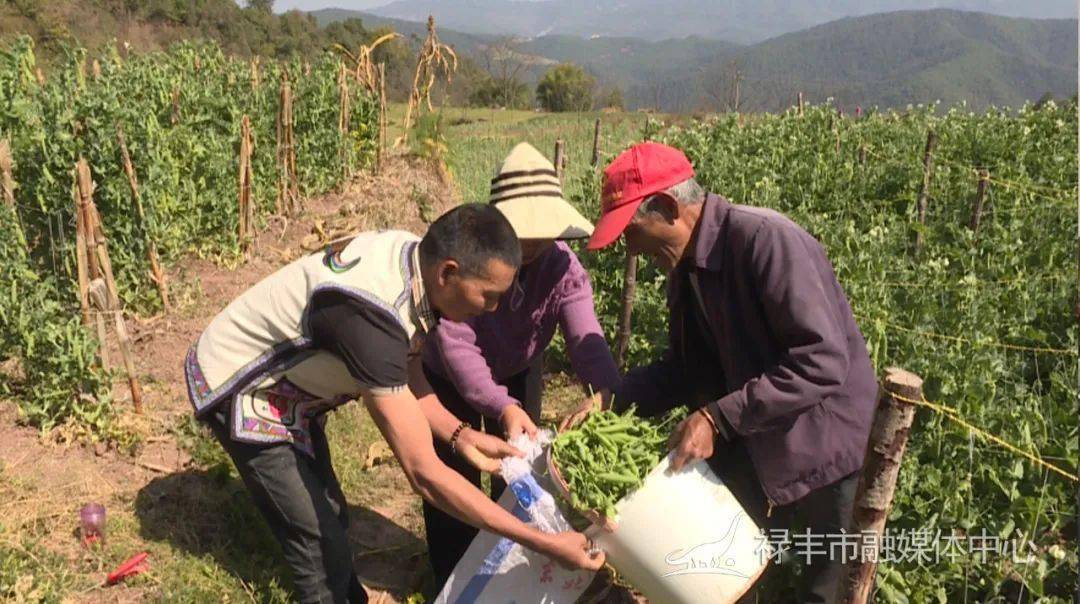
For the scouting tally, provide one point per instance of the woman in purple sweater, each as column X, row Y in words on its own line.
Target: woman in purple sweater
column 479, row 369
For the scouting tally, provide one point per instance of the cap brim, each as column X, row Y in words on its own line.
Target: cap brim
column 612, row 224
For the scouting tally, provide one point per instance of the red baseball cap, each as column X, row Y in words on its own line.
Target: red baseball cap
column 638, row 172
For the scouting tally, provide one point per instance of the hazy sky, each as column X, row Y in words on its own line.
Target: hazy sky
column 284, row 5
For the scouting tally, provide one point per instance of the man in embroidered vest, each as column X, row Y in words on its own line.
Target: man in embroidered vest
column 762, row 345
column 343, row 324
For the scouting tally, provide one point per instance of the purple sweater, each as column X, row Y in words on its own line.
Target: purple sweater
column 479, row 354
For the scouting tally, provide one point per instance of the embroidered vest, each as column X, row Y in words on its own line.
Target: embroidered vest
column 258, row 354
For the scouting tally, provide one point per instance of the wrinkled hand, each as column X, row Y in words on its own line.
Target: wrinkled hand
column 484, row 451
column 578, row 415
column 693, row 439
column 574, row 550
column 600, row 400
column 515, row 421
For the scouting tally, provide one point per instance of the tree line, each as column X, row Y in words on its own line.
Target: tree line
column 496, row 75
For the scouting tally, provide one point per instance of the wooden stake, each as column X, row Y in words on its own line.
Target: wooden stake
column 84, row 222
column 980, row 199
column 596, row 143
column 85, row 192
column 247, row 214
column 559, row 161
column 799, row 103
column 102, row 252
column 7, row 192
column 255, row 73
column 81, row 259
column 176, row 106
column 877, row 484
column 157, row 274
column 622, row 338
column 924, row 190
column 7, row 181
column 382, row 117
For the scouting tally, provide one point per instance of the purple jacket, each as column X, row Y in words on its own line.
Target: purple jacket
column 552, row 290
column 775, row 354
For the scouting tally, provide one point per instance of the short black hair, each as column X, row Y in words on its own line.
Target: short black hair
column 473, row 234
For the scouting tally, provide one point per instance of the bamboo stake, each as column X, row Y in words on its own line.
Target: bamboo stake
column 799, row 103
column 877, row 484
column 980, row 199
column 924, row 190
column 157, row 274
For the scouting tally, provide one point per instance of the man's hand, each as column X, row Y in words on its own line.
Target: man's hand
column 693, row 439
column 573, row 550
column 484, row 451
column 515, row 421
column 600, row 400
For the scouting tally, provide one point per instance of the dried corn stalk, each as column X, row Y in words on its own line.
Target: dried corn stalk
column 344, row 109
column 364, row 69
column 288, row 193
column 247, row 213
column 433, row 56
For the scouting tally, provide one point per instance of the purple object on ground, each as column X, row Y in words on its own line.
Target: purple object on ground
column 92, row 522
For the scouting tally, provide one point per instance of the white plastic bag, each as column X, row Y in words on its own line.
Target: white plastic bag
column 495, row 569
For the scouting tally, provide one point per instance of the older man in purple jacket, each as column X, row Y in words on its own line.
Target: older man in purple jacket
column 762, row 345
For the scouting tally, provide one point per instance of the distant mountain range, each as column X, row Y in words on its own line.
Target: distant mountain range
column 741, row 21
column 888, row 60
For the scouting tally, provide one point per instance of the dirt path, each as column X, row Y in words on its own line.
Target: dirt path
column 158, row 497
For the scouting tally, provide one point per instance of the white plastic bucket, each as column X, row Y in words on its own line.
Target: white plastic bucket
column 683, row 538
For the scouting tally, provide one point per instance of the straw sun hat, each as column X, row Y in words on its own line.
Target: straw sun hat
column 527, row 191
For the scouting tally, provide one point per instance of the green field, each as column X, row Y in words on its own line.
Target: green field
column 985, row 318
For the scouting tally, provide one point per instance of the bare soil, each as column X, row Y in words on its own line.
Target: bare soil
column 44, row 479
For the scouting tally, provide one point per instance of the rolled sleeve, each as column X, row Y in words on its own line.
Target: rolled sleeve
column 815, row 361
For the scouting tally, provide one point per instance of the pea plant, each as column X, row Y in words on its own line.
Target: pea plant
column 985, row 316
column 180, row 112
